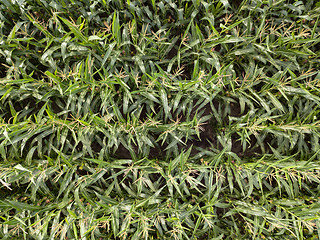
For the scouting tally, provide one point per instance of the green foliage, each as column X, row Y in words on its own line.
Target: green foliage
column 159, row 119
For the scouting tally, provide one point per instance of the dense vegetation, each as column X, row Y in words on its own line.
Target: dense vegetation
column 159, row 119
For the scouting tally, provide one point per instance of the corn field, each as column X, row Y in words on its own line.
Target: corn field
column 161, row 119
